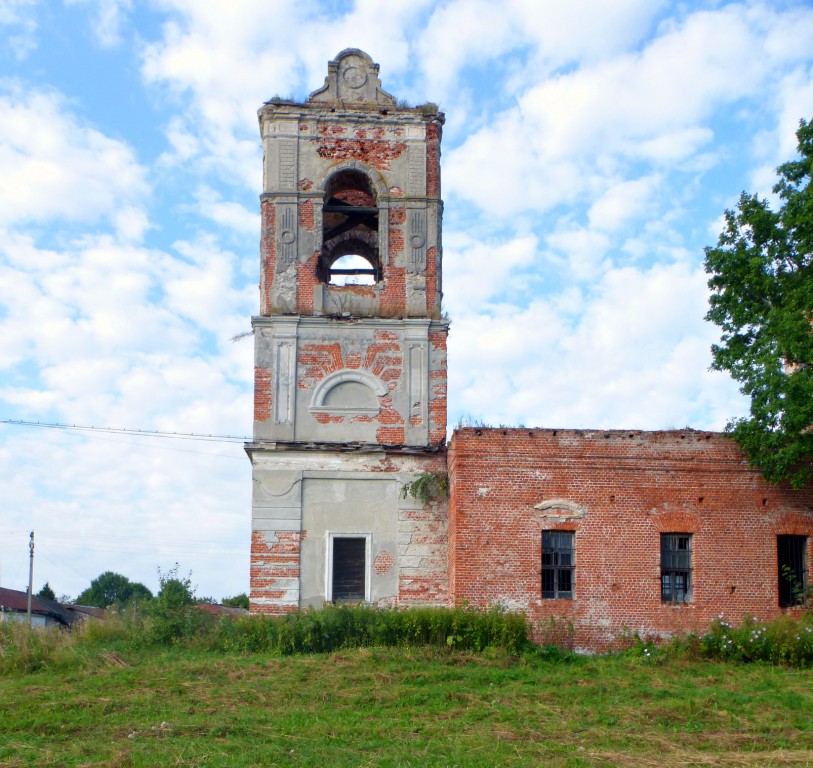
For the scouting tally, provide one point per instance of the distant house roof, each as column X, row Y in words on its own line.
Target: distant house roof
column 16, row 601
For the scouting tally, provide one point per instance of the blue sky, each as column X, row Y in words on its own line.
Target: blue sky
column 589, row 152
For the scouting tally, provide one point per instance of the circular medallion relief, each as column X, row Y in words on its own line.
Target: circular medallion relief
column 287, row 236
column 355, row 77
column 417, row 241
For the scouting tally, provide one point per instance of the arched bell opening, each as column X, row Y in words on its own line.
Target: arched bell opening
column 350, row 251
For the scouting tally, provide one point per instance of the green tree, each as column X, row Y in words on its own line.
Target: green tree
column 238, row 601
column 762, row 299
column 173, row 612
column 112, row 589
column 176, row 591
column 47, row 592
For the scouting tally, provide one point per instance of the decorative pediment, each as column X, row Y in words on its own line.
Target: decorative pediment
column 352, row 77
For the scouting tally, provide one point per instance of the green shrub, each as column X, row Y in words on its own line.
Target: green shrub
column 785, row 640
column 172, row 615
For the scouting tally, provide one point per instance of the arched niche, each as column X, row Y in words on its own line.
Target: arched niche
column 349, row 393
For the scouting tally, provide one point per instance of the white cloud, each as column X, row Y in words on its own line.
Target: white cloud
column 583, row 252
column 52, row 166
column 623, row 201
column 635, row 355
column 109, row 17
column 18, row 17
column 227, row 214
column 569, row 132
column 476, row 271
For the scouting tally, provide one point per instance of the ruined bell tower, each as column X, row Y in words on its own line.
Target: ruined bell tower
column 350, row 349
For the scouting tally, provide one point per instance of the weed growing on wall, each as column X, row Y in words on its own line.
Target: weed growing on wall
column 427, row 486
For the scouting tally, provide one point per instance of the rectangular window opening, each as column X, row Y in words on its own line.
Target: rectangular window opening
column 676, row 567
column 348, row 569
column 791, row 559
column 558, row 564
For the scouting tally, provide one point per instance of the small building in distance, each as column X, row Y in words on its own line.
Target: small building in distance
column 44, row 612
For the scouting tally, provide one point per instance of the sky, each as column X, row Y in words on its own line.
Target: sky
column 589, row 152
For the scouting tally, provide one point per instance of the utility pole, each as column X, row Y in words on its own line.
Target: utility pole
column 30, row 574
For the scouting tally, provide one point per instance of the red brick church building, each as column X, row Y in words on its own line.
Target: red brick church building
column 592, row 534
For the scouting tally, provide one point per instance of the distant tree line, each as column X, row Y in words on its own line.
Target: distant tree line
column 111, row 589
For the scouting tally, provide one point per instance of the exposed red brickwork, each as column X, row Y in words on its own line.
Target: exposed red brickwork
column 423, row 575
column 433, row 136
column 437, row 388
column 328, row 418
column 306, row 281
column 318, row 360
column 356, row 197
column 305, row 184
column 390, row 435
column 376, row 154
column 423, row 578
column 331, row 129
column 633, row 486
column 268, row 254
column 306, row 215
column 372, row 133
column 383, row 562
column 262, row 394
column 274, row 564
column 355, row 290
column 383, row 359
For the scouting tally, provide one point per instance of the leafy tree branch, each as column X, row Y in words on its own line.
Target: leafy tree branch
column 762, row 300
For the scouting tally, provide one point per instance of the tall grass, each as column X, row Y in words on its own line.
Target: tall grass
column 334, row 628
column 311, row 631
column 787, row 640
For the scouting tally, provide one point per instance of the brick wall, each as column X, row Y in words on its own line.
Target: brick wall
column 618, row 491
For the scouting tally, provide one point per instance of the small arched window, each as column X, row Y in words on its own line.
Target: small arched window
column 350, row 254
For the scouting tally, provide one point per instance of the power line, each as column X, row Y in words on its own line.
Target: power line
column 125, row 431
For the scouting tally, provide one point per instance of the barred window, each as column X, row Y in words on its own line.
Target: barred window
column 676, row 567
column 792, row 562
column 558, row 564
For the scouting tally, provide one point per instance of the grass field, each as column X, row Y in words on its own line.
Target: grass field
column 404, row 707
